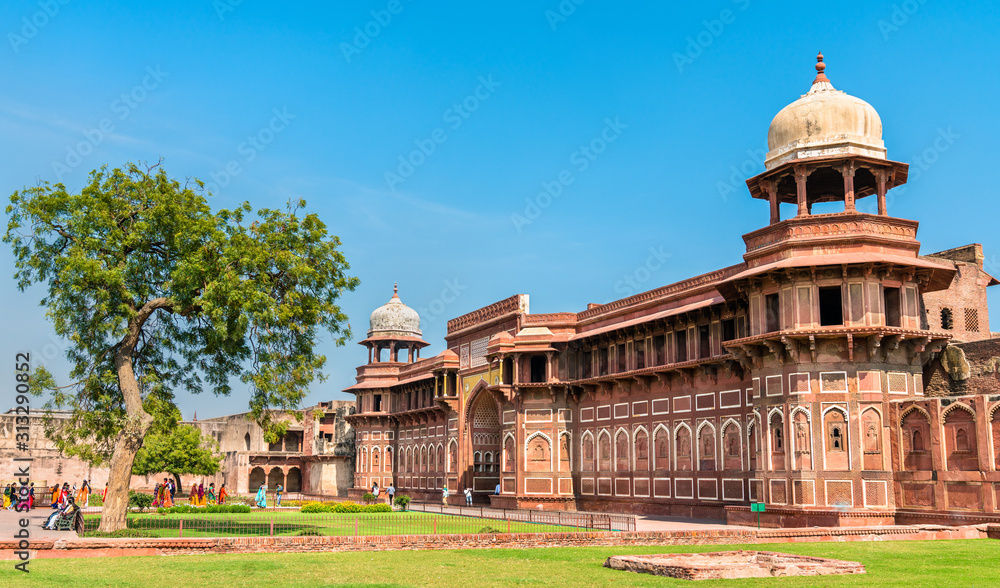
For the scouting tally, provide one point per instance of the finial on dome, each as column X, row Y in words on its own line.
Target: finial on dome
column 395, row 289
column 820, row 66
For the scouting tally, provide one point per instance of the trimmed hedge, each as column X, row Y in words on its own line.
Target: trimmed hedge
column 213, row 509
column 130, row 533
column 346, row 507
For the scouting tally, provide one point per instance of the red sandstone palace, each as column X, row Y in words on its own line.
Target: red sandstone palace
column 835, row 374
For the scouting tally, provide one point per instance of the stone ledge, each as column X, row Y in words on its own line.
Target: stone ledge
column 102, row 547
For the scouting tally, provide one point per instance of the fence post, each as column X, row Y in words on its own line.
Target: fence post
column 435, row 526
column 272, row 527
column 356, row 526
column 180, row 531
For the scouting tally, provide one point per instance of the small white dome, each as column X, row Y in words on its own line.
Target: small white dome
column 824, row 122
column 394, row 319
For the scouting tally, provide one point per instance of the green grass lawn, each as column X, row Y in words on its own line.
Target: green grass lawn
column 912, row 564
column 295, row 523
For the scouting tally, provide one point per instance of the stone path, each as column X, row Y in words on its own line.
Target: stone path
column 10, row 525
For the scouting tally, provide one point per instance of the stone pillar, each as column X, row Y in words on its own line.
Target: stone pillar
column 800, row 190
column 847, row 170
column 772, row 197
column 548, row 366
column 881, row 176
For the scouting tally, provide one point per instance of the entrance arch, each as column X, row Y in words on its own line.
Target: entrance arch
column 485, row 419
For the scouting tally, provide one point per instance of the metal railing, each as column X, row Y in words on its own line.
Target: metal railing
column 270, row 524
column 585, row 520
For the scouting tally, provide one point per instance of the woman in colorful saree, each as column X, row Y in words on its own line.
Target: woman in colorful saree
column 222, row 494
column 201, row 495
column 166, row 501
column 210, row 493
column 193, row 497
column 262, row 496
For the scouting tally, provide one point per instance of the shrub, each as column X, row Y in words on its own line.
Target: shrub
column 488, row 530
column 121, row 533
column 368, row 498
column 402, row 501
column 215, row 509
column 95, row 499
column 140, row 500
column 304, row 532
column 346, row 507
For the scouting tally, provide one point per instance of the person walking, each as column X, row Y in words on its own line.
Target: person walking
column 390, row 493
column 444, row 495
column 496, row 491
column 262, row 496
column 468, row 496
column 277, row 495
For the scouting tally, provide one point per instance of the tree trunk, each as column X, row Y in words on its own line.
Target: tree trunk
column 177, row 480
column 127, row 444
column 137, row 422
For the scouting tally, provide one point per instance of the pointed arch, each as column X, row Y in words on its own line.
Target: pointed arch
column 603, row 451
column 623, row 450
column 777, row 439
column 801, row 437
column 732, row 445
column 453, row 455
column 509, row 453
column 588, row 455
column 661, row 447
column 682, row 448
column 565, row 451
column 957, row 406
column 538, row 452
column 959, row 436
column 871, row 438
column 640, row 449
column 705, row 448
column 837, row 438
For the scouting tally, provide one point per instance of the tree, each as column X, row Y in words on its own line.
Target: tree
column 154, row 291
column 181, row 451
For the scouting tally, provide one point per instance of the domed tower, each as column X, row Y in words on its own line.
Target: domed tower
column 837, row 333
column 396, row 327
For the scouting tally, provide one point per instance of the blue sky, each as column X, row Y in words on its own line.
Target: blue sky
column 431, row 136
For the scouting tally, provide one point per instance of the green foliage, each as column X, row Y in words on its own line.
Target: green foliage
column 140, row 500
column 131, row 533
column 402, row 501
column 154, row 292
column 183, row 450
column 368, row 498
column 212, row 509
column 346, row 507
column 488, row 530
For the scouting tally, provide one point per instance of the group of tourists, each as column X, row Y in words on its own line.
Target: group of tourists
column 390, row 492
column 163, row 494
column 13, row 495
column 63, row 495
column 201, row 496
column 261, row 498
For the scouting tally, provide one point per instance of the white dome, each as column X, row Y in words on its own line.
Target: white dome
column 394, row 319
column 824, row 122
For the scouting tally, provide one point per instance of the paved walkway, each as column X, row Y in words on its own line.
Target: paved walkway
column 10, row 524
